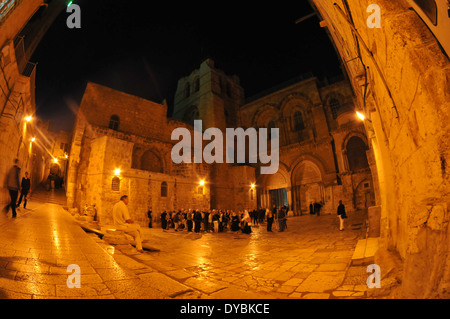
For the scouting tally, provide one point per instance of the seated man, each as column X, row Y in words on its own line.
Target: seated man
column 122, row 221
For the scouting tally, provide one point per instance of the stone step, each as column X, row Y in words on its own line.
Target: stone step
column 365, row 250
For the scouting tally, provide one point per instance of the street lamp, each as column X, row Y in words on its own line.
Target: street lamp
column 361, row 116
column 28, row 118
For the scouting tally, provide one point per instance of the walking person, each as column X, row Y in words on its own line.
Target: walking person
column 13, row 185
column 123, row 221
column 341, row 214
column 25, row 189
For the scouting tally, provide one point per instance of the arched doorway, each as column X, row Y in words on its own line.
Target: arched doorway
column 274, row 190
column 307, row 186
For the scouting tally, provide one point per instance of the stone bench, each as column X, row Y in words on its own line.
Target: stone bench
column 116, row 237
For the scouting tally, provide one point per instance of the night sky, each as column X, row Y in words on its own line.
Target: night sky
column 143, row 48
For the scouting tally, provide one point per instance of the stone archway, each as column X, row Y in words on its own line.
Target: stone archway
column 401, row 83
column 307, row 185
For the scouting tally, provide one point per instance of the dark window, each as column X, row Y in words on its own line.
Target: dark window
column 163, row 189
column 429, row 8
column 196, row 84
column 356, row 154
column 115, row 185
column 251, row 194
column 334, row 106
column 187, row 90
column 298, row 121
column 114, row 122
column 200, row 190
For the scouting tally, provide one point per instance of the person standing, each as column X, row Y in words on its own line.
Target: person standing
column 197, row 221
column 13, row 185
column 189, row 220
column 311, row 208
column 123, row 221
column 164, row 220
column 234, row 222
column 150, row 220
column 317, row 207
column 281, row 219
column 25, row 189
column 341, row 214
column 246, row 220
column 269, row 220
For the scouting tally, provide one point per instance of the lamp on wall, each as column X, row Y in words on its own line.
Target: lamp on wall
column 117, row 171
column 361, row 116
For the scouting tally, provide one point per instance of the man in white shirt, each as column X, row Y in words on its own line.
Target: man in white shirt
column 122, row 221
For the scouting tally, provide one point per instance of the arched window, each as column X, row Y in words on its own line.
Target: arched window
column 115, row 184
column 356, row 154
column 187, row 90
column 114, row 122
column 299, row 124
column 151, row 162
column 163, row 189
column 334, row 107
column 196, row 84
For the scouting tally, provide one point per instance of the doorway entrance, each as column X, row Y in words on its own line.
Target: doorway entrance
column 278, row 197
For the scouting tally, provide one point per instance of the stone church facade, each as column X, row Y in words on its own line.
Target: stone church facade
column 122, row 145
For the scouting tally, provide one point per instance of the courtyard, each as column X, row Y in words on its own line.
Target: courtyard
column 310, row 259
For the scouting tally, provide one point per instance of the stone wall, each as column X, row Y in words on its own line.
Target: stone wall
column 15, row 132
column 408, row 104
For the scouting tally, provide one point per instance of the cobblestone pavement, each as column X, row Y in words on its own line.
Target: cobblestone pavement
column 311, row 259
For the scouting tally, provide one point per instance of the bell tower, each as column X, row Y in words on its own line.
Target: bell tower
column 210, row 95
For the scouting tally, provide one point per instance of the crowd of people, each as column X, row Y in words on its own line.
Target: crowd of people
column 218, row 220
